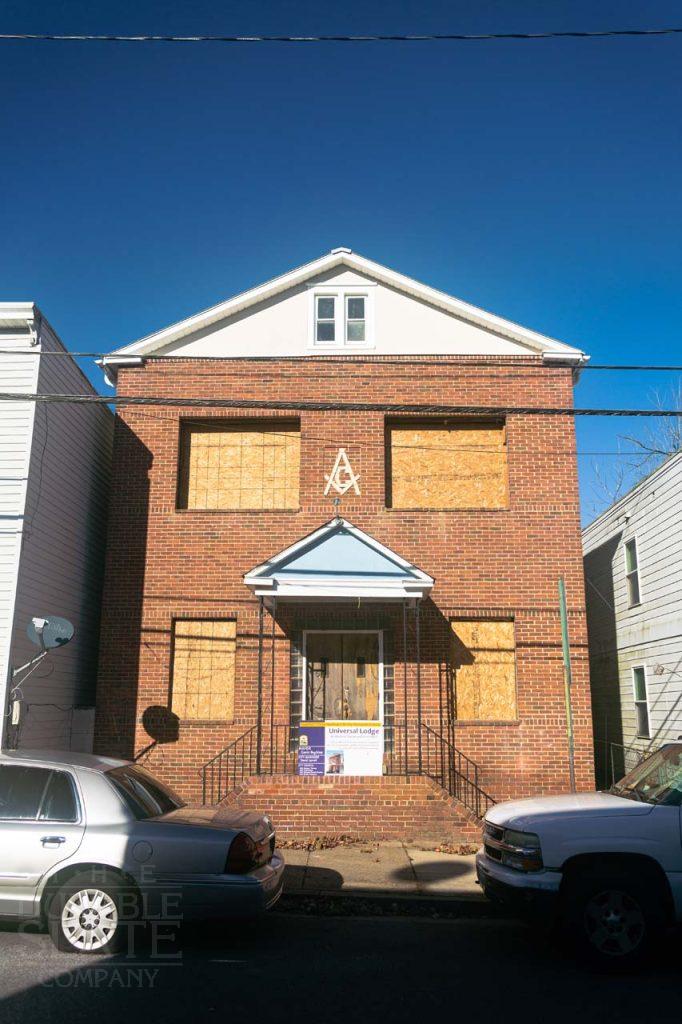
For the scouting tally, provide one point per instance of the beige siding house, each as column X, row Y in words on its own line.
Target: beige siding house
column 633, row 576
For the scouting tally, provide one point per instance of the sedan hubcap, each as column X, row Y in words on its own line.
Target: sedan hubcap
column 89, row 919
column 614, row 922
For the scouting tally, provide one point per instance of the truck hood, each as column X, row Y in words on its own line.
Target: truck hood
column 228, row 820
column 528, row 814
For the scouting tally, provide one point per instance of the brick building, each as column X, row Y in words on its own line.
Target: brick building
column 333, row 560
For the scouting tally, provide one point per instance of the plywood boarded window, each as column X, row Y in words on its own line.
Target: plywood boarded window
column 240, row 465
column 203, row 669
column 484, row 669
column 437, row 465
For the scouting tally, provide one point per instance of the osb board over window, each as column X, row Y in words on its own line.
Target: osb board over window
column 440, row 466
column 484, row 669
column 202, row 686
column 240, row 466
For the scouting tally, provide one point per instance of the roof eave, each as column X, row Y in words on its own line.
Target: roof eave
column 506, row 328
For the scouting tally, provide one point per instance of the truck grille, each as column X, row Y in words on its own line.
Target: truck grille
column 494, row 831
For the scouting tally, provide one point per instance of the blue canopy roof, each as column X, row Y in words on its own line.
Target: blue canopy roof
column 338, row 561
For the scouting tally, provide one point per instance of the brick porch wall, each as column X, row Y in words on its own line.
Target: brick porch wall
column 164, row 563
column 412, row 808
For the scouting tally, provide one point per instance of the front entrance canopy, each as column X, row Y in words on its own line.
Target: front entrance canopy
column 338, row 562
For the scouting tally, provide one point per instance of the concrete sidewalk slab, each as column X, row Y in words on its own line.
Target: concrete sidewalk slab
column 382, row 869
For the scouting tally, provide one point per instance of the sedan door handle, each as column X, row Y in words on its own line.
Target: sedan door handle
column 53, row 840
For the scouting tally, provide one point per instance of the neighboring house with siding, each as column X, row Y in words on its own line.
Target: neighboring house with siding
column 633, row 576
column 54, row 487
column 364, row 667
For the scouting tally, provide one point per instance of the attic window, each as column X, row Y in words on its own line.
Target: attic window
column 341, row 317
column 325, row 318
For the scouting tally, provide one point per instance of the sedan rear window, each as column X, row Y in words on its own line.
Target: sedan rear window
column 21, row 790
column 144, row 795
column 27, row 793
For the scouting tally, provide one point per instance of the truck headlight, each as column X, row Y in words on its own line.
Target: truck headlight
column 521, row 850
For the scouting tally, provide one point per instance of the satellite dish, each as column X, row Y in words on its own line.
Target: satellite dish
column 49, row 632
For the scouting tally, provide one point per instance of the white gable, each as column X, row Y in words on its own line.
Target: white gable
column 406, row 318
column 340, row 562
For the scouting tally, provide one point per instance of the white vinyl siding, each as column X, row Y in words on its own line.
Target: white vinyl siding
column 58, row 568
column 18, row 374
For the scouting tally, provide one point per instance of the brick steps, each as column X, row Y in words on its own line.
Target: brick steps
column 379, row 808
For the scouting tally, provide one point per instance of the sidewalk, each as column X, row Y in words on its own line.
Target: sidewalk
column 389, row 869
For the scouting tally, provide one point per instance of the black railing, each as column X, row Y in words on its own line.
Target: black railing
column 426, row 753
column 453, row 770
column 241, row 759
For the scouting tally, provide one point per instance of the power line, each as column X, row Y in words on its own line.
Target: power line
column 370, row 38
column 328, row 442
column 330, row 406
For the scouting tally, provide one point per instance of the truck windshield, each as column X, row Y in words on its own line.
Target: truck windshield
column 658, row 780
column 144, row 795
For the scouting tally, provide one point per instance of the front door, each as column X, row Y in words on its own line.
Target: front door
column 342, row 677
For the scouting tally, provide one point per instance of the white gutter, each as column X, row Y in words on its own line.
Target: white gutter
column 110, row 365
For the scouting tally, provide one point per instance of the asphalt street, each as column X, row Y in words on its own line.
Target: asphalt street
column 333, row 969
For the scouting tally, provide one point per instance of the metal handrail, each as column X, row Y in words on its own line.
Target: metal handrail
column 454, row 771
column 440, row 760
column 239, row 760
column 628, row 756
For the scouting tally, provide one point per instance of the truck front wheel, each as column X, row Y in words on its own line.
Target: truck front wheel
column 613, row 920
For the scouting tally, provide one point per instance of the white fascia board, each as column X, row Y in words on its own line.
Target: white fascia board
column 537, row 342
column 19, row 315
column 340, row 589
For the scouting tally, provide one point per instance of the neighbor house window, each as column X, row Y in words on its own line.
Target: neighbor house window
column 341, row 315
column 483, row 664
column 641, row 701
column 202, row 685
column 437, row 465
column 325, row 318
column 632, row 572
column 230, row 466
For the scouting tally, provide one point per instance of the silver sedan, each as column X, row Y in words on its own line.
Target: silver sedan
column 93, row 847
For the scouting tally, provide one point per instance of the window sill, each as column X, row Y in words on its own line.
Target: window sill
column 238, row 511
column 467, row 722
column 351, row 346
column 469, row 508
column 213, row 722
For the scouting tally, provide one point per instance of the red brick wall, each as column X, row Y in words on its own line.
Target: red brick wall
column 163, row 563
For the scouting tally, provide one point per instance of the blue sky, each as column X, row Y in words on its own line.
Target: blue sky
column 540, row 180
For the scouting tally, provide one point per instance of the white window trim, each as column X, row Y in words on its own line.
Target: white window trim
column 637, row 571
column 341, row 293
column 635, row 701
column 376, row 632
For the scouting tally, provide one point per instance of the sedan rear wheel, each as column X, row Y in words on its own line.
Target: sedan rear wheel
column 86, row 914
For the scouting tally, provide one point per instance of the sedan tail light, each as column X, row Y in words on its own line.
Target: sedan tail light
column 242, row 855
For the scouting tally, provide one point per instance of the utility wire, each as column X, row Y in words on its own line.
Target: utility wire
column 245, row 403
column 370, row 38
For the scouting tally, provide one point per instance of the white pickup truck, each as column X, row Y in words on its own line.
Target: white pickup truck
column 606, row 866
